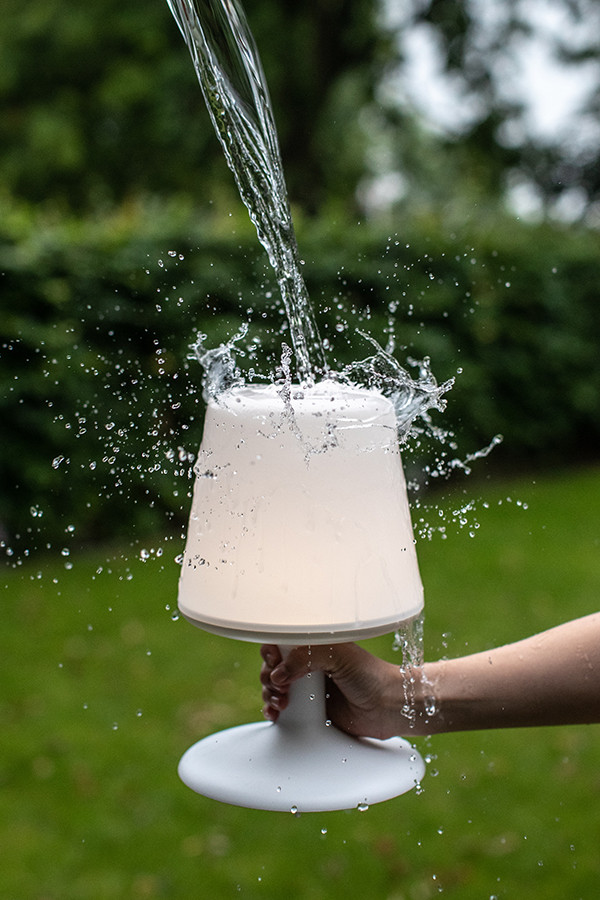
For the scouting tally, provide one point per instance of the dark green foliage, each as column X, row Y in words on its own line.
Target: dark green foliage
column 85, row 89
column 101, row 409
column 96, row 390
column 101, row 103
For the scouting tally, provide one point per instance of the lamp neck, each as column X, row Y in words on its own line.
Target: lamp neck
column 306, row 707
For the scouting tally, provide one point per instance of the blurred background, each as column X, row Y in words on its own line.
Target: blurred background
column 442, row 162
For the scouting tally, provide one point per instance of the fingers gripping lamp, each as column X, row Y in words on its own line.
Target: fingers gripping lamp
column 300, row 533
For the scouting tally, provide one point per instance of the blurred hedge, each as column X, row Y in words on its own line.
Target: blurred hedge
column 101, row 409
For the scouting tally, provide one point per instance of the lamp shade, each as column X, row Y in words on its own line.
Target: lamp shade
column 300, row 528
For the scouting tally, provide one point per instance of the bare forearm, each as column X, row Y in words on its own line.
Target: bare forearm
column 550, row 679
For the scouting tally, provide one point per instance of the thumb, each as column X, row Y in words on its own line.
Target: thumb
column 295, row 663
column 301, row 660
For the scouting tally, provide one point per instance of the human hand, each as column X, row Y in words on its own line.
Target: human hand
column 551, row 678
column 366, row 696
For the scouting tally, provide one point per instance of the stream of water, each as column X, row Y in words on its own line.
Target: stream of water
column 234, row 87
column 230, row 73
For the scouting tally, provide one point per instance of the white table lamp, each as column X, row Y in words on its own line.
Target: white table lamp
column 300, row 533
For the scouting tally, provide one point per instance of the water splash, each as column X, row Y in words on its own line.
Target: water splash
column 231, row 77
column 472, row 457
column 412, row 398
column 220, row 369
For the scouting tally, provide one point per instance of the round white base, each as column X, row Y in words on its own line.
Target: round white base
column 266, row 766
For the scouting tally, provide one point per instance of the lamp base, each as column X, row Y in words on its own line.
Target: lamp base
column 260, row 767
column 300, row 764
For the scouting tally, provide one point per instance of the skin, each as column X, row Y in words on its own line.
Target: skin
column 552, row 678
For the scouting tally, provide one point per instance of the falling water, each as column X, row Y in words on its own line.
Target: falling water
column 408, row 641
column 235, row 90
column 234, row 87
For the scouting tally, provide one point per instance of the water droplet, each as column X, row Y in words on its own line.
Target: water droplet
column 430, row 706
column 363, row 807
column 294, row 810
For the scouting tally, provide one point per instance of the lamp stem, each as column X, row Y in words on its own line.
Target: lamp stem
column 306, row 708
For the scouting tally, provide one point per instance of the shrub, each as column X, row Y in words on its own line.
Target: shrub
column 102, row 409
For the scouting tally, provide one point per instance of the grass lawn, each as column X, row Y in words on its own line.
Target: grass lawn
column 102, row 691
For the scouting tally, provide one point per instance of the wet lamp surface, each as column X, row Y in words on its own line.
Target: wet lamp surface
column 300, row 534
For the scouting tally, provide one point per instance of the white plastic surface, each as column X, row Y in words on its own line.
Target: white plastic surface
column 300, row 764
column 300, row 528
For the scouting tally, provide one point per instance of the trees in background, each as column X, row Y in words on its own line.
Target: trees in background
column 512, row 88
column 100, row 103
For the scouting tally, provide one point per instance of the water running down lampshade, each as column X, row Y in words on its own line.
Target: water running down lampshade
column 300, row 533
column 300, row 529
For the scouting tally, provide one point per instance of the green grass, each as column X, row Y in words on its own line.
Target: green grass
column 102, row 692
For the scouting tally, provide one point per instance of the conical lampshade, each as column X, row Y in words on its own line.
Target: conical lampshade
column 300, row 529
